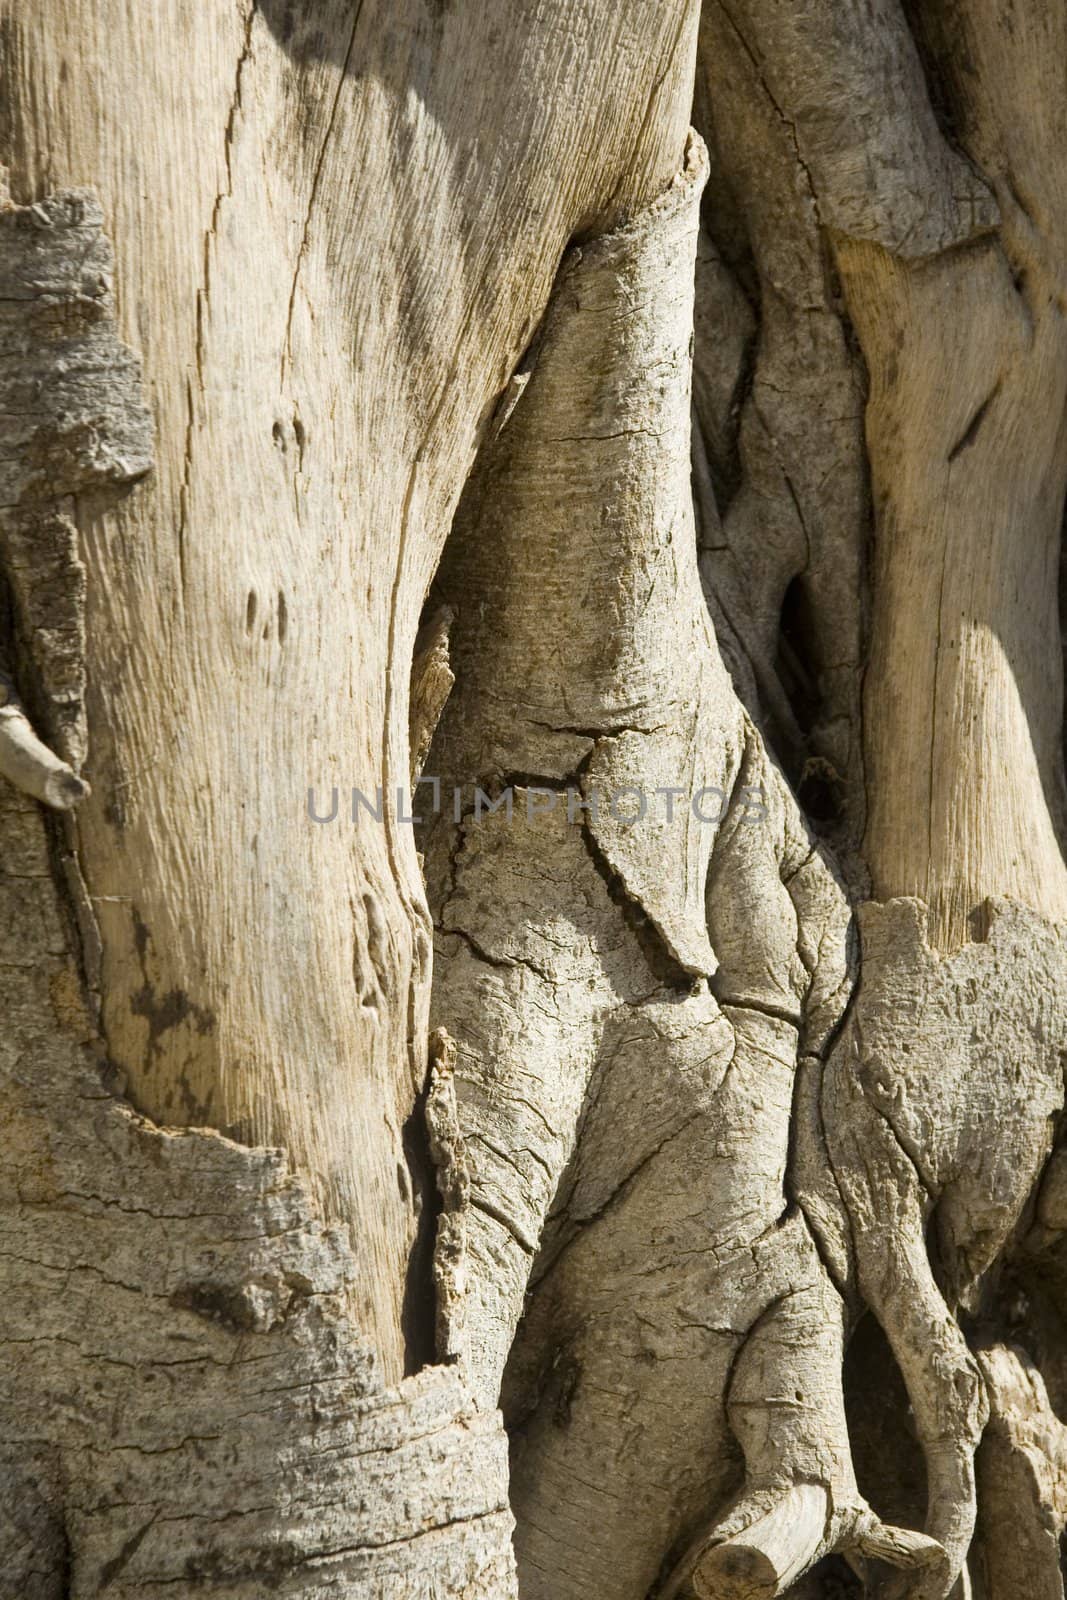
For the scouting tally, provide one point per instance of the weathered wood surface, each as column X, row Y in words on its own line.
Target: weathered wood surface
column 184, row 1401
column 683, row 1124
column 334, row 232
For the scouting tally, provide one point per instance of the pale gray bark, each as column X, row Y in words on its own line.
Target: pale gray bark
column 398, row 392
column 186, row 1405
column 335, row 231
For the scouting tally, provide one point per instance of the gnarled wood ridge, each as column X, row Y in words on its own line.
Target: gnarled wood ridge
column 671, row 520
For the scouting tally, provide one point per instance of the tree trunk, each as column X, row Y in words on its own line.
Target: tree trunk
column 531, row 858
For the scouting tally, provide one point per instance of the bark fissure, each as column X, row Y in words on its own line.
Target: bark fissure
column 756, row 502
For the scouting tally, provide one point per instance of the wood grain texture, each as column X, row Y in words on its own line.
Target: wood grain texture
column 334, row 232
column 942, row 257
column 370, row 264
column 185, row 1405
column 629, row 1001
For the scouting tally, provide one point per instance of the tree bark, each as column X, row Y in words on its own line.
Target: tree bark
column 409, row 416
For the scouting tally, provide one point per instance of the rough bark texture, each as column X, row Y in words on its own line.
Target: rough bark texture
column 186, row 1405
column 630, row 998
column 396, row 400
column 319, row 373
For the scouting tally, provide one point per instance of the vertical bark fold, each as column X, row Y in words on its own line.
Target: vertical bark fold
column 629, row 998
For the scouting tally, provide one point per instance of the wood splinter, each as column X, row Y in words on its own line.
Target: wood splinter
column 29, row 764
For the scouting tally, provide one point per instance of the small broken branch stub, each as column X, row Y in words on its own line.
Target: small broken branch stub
column 29, row 764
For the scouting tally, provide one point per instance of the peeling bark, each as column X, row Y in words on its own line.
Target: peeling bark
column 184, row 1401
column 70, row 392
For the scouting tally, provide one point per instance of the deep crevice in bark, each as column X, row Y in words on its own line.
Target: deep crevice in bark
column 566, row 1050
column 418, row 1309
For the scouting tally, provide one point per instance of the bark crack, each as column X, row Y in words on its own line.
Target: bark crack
column 204, row 292
column 316, row 180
